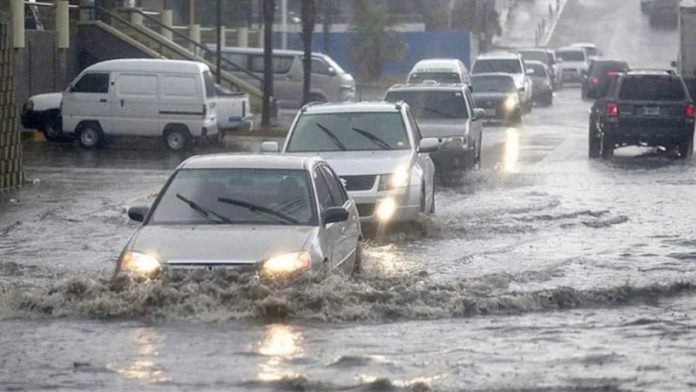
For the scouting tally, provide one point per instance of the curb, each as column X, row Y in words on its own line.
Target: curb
column 34, row 136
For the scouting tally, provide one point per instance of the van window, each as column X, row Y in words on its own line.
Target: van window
column 210, row 91
column 179, row 86
column 320, row 67
column 281, row 64
column 239, row 59
column 137, row 85
column 95, row 83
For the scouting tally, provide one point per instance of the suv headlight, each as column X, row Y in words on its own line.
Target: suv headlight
column 140, row 264
column 399, row 179
column 287, row 264
column 510, row 102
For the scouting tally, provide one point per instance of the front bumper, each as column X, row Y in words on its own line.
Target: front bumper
column 450, row 159
column 495, row 109
column 32, row 120
column 407, row 200
column 654, row 136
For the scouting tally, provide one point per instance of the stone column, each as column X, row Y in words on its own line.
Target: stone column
column 11, row 174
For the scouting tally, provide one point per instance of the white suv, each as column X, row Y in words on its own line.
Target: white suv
column 512, row 64
column 376, row 149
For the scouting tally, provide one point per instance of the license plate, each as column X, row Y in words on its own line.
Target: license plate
column 652, row 111
column 490, row 112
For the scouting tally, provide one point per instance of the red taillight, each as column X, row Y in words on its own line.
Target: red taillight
column 690, row 111
column 594, row 80
column 613, row 109
column 612, row 73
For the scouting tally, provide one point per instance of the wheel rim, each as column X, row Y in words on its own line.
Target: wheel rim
column 175, row 140
column 89, row 137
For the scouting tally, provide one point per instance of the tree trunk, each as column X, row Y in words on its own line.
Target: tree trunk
column 268, row 17
column 326, row 25
column 308, row 12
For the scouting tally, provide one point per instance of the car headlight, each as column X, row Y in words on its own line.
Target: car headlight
column 399, row 179
column 140, row 264
column 385, row 209
column 287, row 263
column 510, row 103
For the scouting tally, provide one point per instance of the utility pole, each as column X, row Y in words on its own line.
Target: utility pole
column 284, row 22
column 218, row 56
column 268, row 19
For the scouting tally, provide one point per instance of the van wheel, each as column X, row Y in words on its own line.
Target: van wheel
column 177, row 139
column 91, row 136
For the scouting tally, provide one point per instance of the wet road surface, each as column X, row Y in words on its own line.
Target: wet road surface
column 542, row 271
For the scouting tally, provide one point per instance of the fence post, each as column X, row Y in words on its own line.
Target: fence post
column 243, row 37
column 18, row 16
column 63, row 23
column 195, row 35
column 135, row 16
column 168, row 21
column 223, row 36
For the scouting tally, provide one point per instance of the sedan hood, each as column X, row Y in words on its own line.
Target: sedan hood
column 443, row 128
column 360, row 163
column 219, row 244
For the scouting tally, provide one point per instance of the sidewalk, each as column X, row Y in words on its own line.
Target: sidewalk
column 531, row 23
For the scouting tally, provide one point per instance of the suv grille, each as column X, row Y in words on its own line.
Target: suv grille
column 359, row 183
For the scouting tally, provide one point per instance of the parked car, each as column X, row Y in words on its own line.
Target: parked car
column 445, row 112
column 330, row 83
column 233, row 109
column 377, row 149
column 42, row 112
column 573, row 64
column 439, row 71
column 599, row 75
column 275, row 215
column 643, row 107
column 546, row 56
column 497, row 95
column 512, row 64
column 541, row 82
column 593, row 53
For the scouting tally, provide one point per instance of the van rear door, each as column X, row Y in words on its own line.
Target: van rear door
column 135, row 106
column 183, row 101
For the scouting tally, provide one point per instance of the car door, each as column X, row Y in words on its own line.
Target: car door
column 475, row 126
column 330, row 233
column 423, row 161
column 136, row 104
column 88, row 100
column 349, row 231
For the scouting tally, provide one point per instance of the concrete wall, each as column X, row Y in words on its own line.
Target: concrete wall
column 11, row 174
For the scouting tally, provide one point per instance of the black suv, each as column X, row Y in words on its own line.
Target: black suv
column 599, row 75
column 646, row 108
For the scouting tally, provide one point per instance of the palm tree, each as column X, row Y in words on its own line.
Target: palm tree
column 372, row 43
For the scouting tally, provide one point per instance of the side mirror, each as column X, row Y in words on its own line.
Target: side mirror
column 673, row 64
column 428, row 144
column 479, row 113
column 331, row 71
column 138, row 214
column 335, row 214
column 270, row 147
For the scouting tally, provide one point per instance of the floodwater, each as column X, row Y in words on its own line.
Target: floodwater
column 542, row 271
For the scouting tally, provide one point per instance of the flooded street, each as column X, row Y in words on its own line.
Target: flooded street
column 544, row 270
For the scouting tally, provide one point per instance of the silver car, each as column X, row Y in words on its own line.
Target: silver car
column 377, row 150
column 278, row 215
column 445, row 112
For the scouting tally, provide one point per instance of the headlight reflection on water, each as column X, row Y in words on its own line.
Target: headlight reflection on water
column 143, row 366
column 280, row 343
column 512, row 150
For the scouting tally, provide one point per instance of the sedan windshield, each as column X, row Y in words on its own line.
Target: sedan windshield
column 363, row 131
column 497, row 65
column 432, row 105
column 536, row 55
column 439, row 77
column 570, row 55
column 539, row 69
column 493, row 84
column 236, row 196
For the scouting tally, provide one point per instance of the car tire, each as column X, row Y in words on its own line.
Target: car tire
column 53, row 130
column 357, row 261
column 177, row 139
column 607, row 149
column 90, row 135
column 431, row 210
column 686, row 148
column 594, row 144
column 549, row 99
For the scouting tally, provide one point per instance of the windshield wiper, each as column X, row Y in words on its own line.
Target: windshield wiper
column 205, row 212
column 373, row 138
column 441, row 113
column 280, row 217
column 333, row 137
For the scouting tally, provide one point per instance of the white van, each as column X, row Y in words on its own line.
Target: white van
column 329, row 83
column 171, row 99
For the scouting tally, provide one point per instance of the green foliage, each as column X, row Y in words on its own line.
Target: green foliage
column 372, row 43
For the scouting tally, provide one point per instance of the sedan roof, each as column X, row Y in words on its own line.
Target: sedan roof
column 249, row 161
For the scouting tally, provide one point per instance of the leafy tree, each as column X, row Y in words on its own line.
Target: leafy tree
column 372, row 43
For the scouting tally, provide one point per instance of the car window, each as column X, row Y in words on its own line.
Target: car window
column 210, row 90
column 417, row 136
column 338, row 196
column 539, row 69
column 281, row 64
column 352, row 131
column 513, row 66
column 570, row 55
column 439, row 77
column 320, row 67
column 236, row 196
column 323, row 191
column 432, row 104
column 652, row 88
column 92, row 83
